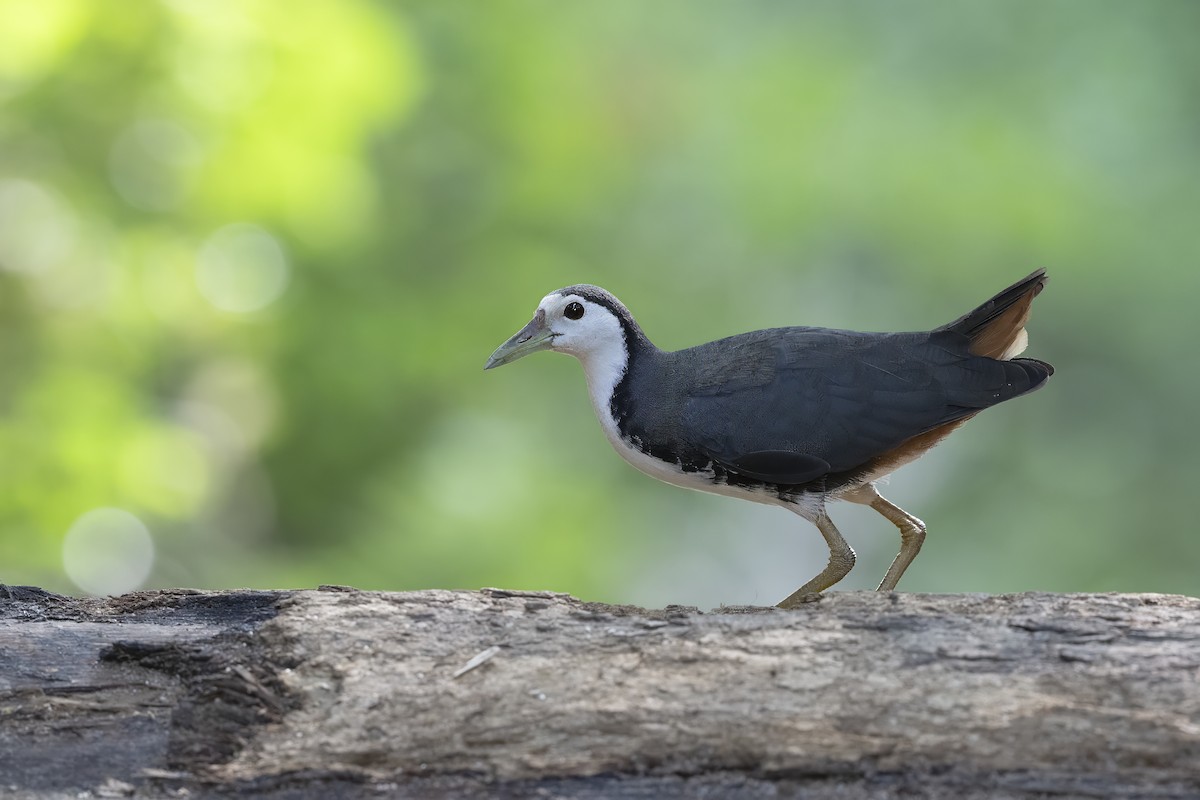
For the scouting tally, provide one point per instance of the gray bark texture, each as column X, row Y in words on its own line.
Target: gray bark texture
column 440, row 694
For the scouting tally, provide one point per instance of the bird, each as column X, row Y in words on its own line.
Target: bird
column 796, row 416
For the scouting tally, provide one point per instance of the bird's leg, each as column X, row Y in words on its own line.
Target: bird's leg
column 841, row 560
column 912, row 536
column 912, row 531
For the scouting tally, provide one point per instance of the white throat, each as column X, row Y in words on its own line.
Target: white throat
column 604, row 366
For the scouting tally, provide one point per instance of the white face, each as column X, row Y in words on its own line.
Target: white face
column 573, row 324
column 582, row 328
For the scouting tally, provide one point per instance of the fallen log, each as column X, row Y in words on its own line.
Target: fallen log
column 344, row 693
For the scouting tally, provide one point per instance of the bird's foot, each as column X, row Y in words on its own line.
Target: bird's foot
column 796, row 600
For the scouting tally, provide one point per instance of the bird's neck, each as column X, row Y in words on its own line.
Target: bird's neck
column 607, row 368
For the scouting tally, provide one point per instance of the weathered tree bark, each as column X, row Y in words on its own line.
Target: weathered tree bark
column 341, row 693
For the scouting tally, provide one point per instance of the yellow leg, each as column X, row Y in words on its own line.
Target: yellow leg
column 912, row 531
column 841, row 560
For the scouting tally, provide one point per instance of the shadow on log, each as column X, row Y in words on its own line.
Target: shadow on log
column 437, row 694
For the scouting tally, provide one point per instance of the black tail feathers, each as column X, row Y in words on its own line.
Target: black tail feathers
column 996, row 329
column 973, row 323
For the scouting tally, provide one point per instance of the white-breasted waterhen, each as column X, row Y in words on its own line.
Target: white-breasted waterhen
column 794, row 417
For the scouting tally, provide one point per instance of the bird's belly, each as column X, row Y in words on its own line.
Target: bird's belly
column 702, row 480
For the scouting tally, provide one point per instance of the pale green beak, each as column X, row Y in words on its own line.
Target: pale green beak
column 533, row 337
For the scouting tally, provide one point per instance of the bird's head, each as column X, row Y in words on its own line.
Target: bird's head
column 584, row 321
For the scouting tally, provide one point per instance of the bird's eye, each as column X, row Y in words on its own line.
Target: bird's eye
column 573, row 311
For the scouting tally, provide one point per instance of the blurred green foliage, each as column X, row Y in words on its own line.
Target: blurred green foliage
column 254, row 253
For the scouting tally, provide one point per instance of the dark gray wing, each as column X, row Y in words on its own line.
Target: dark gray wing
column 789, row 405
column 775, row 466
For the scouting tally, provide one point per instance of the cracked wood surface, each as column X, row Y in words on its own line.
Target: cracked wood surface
column 512, row 694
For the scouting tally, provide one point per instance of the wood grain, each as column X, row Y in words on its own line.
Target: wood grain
column 516, row 694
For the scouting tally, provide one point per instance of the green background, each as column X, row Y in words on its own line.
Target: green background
column 254, row 254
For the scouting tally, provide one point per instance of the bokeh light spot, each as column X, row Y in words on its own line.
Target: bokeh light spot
column 108, row 551
column 36, row 229
column 241, row 269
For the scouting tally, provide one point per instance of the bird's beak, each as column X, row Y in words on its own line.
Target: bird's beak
column 533, row 337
